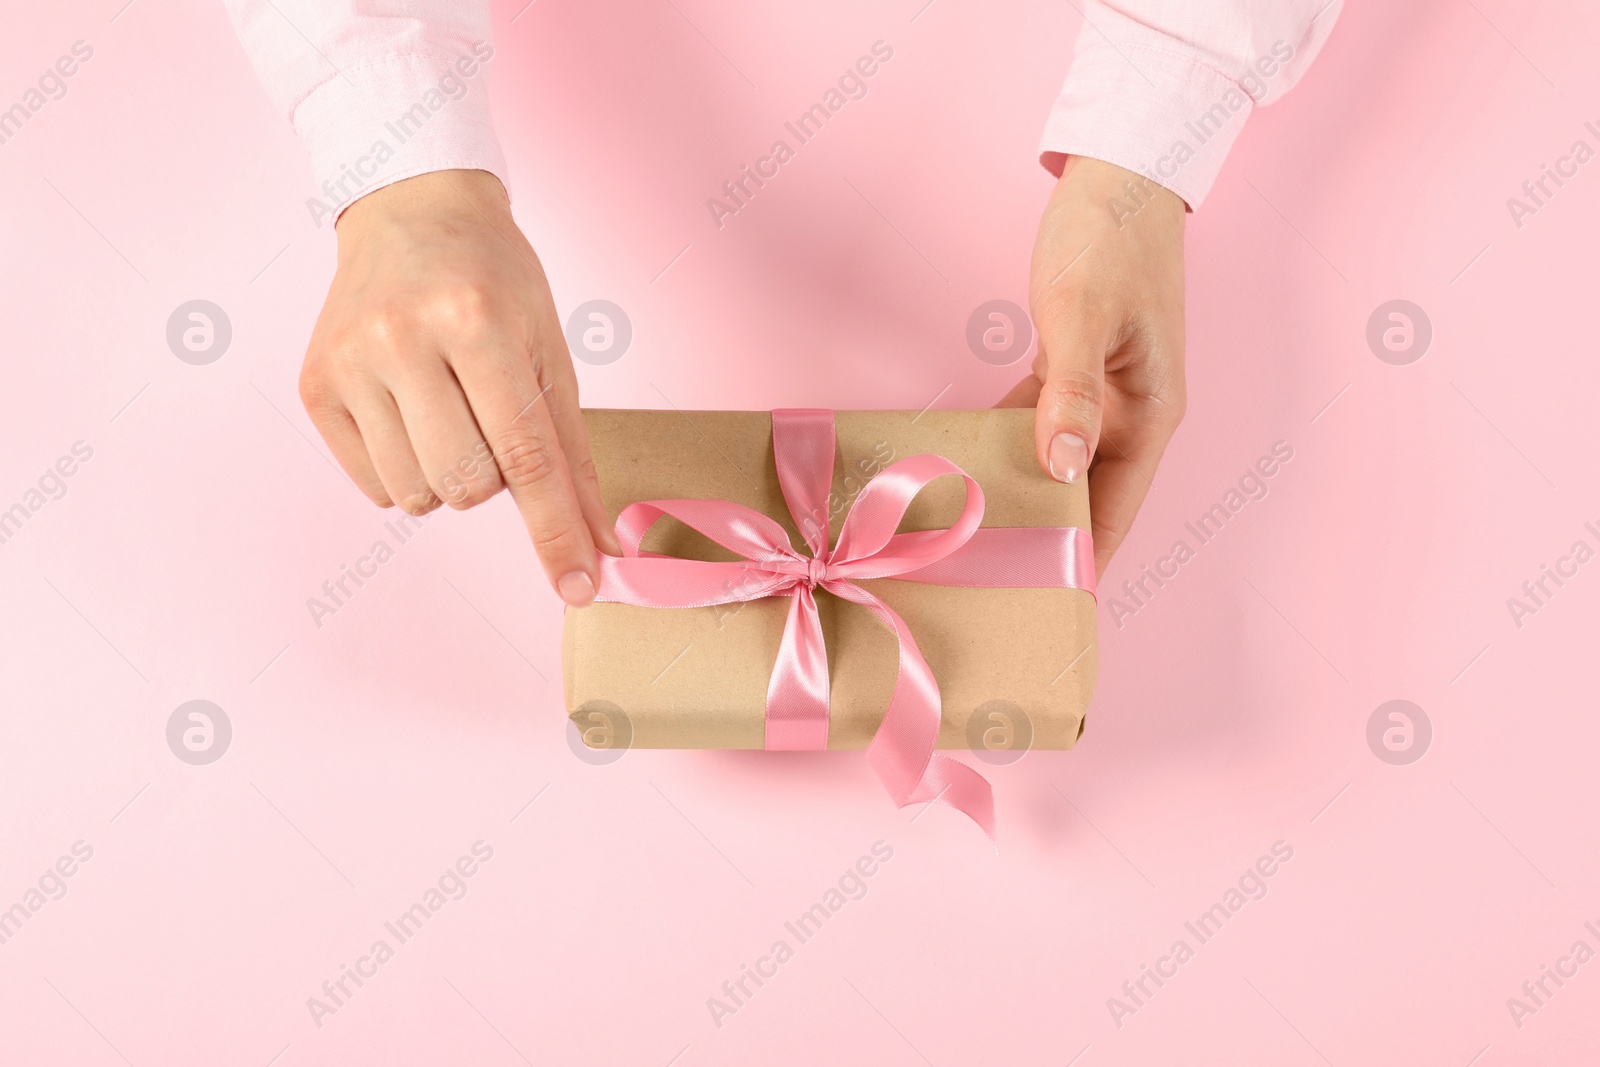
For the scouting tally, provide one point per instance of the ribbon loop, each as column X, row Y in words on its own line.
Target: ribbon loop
column 733, row 526
column 865, row 540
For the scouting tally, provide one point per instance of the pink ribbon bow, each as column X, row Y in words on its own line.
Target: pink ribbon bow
column 902, row 751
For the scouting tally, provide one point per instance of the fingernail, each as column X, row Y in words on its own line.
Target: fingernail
column 1069, row 457
column 576, row 589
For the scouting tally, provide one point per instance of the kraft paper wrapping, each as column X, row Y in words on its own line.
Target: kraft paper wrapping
column 697, row 677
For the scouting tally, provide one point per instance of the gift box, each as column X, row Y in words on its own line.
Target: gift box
column 1014, row 663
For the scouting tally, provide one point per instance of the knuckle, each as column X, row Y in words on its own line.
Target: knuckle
column 526, row 460
column 316, row 395
column 388, row 325
column 419, row 503
column 1167, row 399
column 462, row 495
column 463, row 307
column 555, row 542
column 1075, row 393
column 470, row 498
column 472, row 480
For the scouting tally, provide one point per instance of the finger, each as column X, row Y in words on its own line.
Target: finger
column 454, row 457
column 1074, row 339
column 508, row 399
column 567, row 415
column 378, row 419
column 1122, row 477
column 344, row 440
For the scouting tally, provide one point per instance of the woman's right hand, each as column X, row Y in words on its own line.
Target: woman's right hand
column 438, row 371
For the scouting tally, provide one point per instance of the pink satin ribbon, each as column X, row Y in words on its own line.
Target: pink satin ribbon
column 902, row 751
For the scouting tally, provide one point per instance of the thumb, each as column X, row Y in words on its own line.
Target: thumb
column 1072, row 398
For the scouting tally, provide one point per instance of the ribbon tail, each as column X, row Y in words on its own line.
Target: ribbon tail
column 959, row 786
column 797, row 695
column 902, row 751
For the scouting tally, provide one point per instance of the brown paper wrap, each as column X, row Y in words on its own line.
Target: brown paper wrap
column 697, row 677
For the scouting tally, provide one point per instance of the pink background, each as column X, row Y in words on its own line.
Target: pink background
column 371, row 753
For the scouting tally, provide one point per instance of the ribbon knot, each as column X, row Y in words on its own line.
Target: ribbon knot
column 902, row 751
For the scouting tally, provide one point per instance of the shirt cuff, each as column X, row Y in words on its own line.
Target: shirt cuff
column 395, row 117
column 1147, row 109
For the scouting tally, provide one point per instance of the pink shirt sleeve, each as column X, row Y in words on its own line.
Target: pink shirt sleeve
column 377, row 90
column 1163, row 87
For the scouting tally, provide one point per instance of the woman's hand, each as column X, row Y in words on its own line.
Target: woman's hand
column 438, row 371
column 1107, row 297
